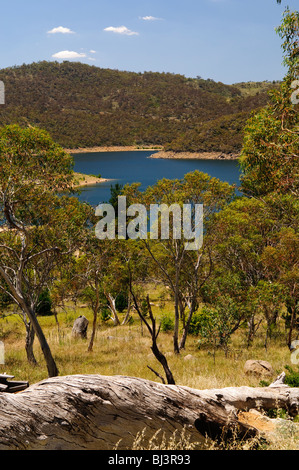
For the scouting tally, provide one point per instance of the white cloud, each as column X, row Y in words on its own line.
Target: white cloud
column 149, row 18
column 92, row 51
column 68, row 55
column 62, row 30
column 121, row 30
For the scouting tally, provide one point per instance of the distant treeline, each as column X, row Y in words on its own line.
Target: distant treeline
column 86, row 106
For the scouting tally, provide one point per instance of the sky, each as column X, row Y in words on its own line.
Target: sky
column 226, row 40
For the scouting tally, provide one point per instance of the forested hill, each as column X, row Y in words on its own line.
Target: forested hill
column 85, row 106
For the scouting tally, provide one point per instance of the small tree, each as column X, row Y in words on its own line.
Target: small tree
column 88, row 275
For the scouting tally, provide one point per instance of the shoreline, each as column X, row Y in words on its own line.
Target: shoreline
column 159, row 153
column 111, row 149
column 83, row 180
column 194, row 155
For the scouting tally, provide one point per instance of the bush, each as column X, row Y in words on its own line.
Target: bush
column 196, row 323
column 167, row 322
column 105, row 314
column 44, row 306
column 5, row 300
column 121, row 302
column 292, row 378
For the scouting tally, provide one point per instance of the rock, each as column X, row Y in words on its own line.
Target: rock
column 80, row 327
column 258, row 368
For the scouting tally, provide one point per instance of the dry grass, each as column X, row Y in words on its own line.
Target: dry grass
column 125, row 350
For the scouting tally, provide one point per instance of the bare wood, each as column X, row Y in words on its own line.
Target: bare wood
column 96, row 412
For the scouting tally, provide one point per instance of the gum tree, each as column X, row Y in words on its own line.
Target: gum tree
column 183, row 271
column 270, row 159
column 256, row 241
column 38, row 227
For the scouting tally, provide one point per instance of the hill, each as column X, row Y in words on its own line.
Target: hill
column 86, row 106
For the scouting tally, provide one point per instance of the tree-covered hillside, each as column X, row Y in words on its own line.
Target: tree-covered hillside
column 83, row 106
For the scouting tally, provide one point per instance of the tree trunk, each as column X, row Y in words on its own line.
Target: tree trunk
column 30, row 312
column 128, row 313
column 292, row 325
column 187, row 325
column 176, row 347
column 95, row 309
column 51, row 364
column 252, row 329
column 93, row 412
column 94, row 328
column 30, row 335
column 112, row 309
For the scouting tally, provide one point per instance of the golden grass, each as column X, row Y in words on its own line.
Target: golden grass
column 125, row 350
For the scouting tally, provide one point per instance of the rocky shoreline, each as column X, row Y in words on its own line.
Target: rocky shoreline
column 195, row 155
column 160, row 153
column 109, row 149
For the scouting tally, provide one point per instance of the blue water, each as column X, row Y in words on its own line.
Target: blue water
column 132, row 167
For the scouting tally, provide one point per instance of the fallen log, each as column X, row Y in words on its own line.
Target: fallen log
column 93, row 412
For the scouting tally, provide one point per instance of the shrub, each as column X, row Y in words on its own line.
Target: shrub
column 167, row 322
column 121, row 302
column 196, row 323
column 44, row 306
column 292, row 378
column 105, row 314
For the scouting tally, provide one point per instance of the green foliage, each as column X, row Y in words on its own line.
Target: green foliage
column 292, row 377
column 207, row 327
column 269, row 157
column 219, row 323
column 196, row 323
column 275, row 413
column 289, row 33
column 201, row 323
column 167, row 322
column 44, row 306
column 5, row 298
column 115, row 192
column 105, row 314
column 121, row 301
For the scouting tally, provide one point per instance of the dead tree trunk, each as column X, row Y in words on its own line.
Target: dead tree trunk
column 96, row 412
column 112, row 308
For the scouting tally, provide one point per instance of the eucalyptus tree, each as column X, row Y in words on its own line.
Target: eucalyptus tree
column 181, row 269
column 97, row 277
column 269, row 158
column 256, row 242
column 39, row 227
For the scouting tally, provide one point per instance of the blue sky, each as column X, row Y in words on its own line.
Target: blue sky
column 226, row 40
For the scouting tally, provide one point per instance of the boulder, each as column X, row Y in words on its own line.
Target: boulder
column 80, row 327
column 258, row 368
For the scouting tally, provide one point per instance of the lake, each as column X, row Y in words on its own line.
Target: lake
column 131, row 167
